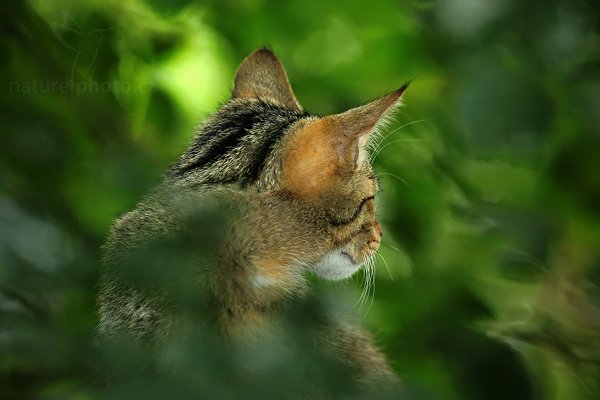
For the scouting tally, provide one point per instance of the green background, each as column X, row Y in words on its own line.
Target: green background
column 488, row 284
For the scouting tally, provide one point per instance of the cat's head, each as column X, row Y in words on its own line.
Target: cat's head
column 262, row 140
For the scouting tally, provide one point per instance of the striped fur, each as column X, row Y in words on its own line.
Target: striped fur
column 236, row 144
column 297, row 193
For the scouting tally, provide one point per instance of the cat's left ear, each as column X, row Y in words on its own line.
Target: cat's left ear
column 323, row 151
column 261, row 75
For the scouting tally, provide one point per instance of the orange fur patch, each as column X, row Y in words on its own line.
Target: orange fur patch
column 311, row 160
column 271, row 267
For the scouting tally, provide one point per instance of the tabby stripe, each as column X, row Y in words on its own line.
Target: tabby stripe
column 218, row 148
column 266, row 121
column 263, row 153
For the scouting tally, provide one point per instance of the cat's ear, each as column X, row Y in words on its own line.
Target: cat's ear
column 262, row 75
column 325, row 151
column 353, row 128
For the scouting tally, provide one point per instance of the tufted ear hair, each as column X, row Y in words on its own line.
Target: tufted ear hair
column 325, row 150
column 261, row 75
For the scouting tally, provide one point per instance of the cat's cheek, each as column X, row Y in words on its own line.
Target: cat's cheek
column 335, row 266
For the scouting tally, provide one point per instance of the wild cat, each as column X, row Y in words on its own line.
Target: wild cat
column 298, row 191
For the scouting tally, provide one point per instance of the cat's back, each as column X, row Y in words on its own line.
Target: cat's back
column 152, row 249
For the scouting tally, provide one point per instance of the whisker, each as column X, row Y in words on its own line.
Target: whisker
column 378, row 151
column 365, row 291
column 363, row 294
column 370, row 269
column 386, row 265
column 373, row 147
column 372, row 285
column 357, row 305
column 392, row 247
column 383, row 137
column 393, row 175
column 368, row 284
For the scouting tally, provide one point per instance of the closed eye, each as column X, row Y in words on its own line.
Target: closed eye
column 338, row 222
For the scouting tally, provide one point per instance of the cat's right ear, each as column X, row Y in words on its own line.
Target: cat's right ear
column 322, row 152
column 261, row 75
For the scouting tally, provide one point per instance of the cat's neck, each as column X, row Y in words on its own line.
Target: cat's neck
column 250, row 295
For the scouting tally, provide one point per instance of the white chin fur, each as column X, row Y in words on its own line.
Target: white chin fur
column 335, row 266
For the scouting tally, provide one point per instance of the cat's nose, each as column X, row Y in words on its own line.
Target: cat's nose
column 378, row 229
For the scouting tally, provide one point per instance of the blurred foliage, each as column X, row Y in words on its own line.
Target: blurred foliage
column 488, row 284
